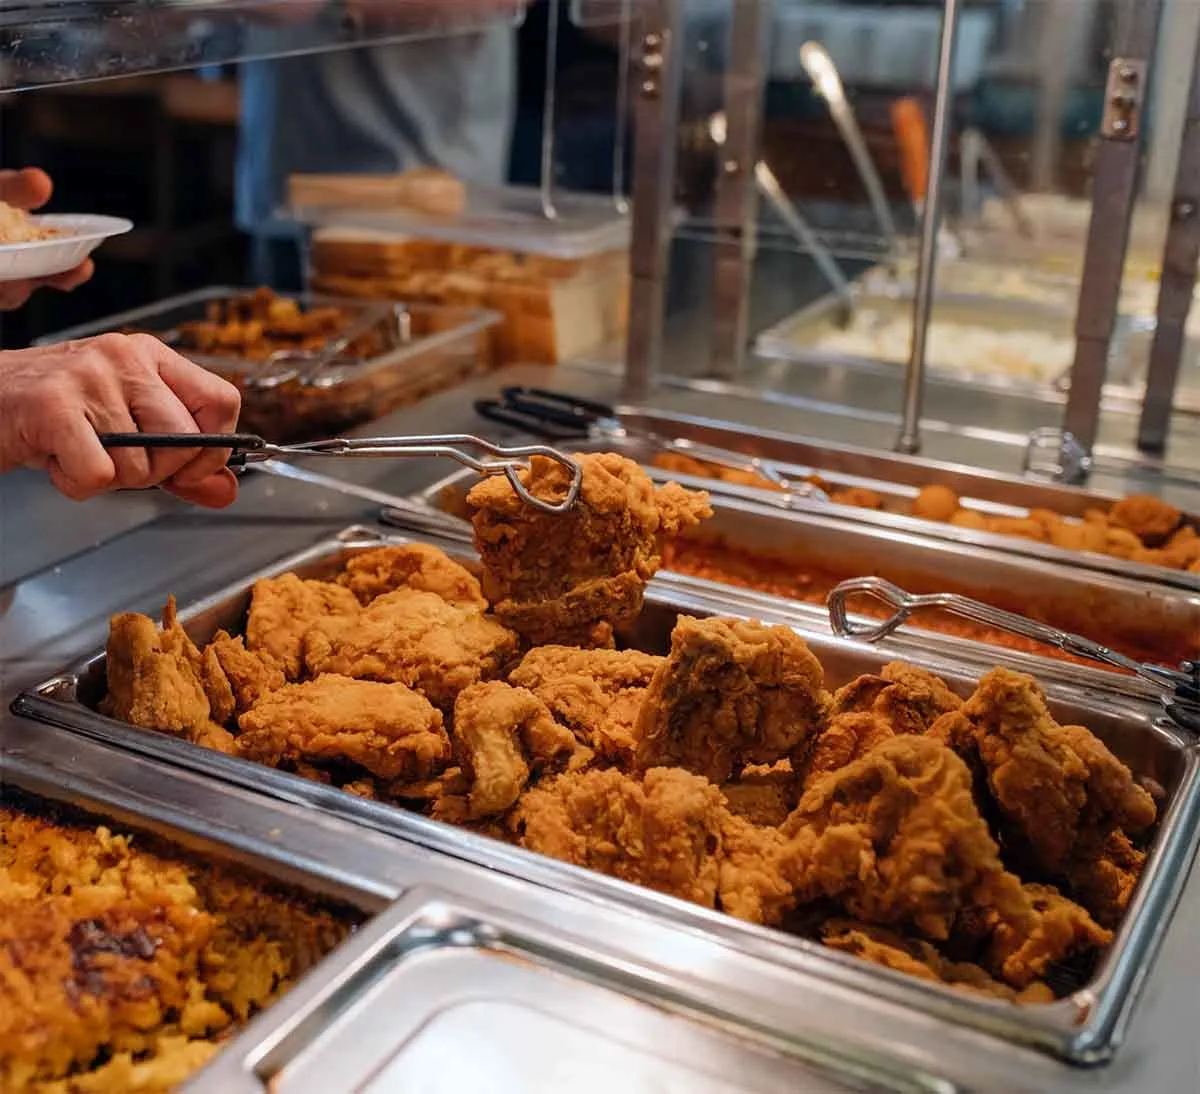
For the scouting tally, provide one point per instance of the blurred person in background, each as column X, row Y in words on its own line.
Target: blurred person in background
column 445, row 102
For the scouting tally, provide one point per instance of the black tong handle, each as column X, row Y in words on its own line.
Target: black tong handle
column 240, row 443
column 549, row 414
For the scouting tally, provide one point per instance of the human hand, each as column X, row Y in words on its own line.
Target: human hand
column 30, row 189
column 55, row 399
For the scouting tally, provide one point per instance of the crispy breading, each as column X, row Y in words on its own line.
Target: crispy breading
column 158, row 679
column 283, row 608
column 662, row 831
column 921, row 959
column 1152, row 520
column 732, row 692
column 553, row 577
column 250, row 675
column 763, row 794
column 1058, row 790
column 1104, row 884
column 501, row 734
column 388, row 729
column 847, row 738
column 411, row 566
column 414, row 638
column 927, row 855
column 596, row 694
column 907, row 698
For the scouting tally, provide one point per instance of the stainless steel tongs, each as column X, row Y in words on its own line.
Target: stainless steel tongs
column 1179, row 689
column 248, row 449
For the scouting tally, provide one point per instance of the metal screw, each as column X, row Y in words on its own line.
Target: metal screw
column 1128, row 73
column 649, row 88
column 1184, row 210
column 1119, row 125
column 730, row 167
column 652, row 42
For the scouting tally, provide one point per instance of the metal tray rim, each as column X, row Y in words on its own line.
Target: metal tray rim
column 1085, row 1028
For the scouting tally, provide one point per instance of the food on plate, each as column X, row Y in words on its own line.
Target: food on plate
column 967, row 839
column 576, row 574
column 124, row 964
column 1138, row 527
column 17, row 226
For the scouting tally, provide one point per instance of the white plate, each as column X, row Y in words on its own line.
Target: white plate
column 80, row 234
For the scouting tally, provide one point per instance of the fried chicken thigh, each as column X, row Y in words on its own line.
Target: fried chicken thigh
column 732, row 692
column 1058, row 790
column 597, row 694
column 556, row 577
column 926, row 853
column 388, row 729
column 411, row 566
column 501, row 734
column 283, row 608
column 663, row 831
column 414, row 638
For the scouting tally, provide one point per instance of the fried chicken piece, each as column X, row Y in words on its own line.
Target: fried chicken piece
column 907, row 698
column 1182, row 549
column 553, row 577
column 1022, row 527
column 921, row 959
column 969, row 518
column 502, row 734
column 732, row 692
column 926, row 853
column 764, row 795
column 1152, row 520
column 1105, row 884
column 1058, row 790
column 860, row 497
column 1021, row 955
column 158, row 679
column 411, row 566
column 935, row 502
column 283, row 608
column 250, row 675
column 414, row 638
column 847, row 738
column 596, row 694
column 388, row 729
column 662, row 831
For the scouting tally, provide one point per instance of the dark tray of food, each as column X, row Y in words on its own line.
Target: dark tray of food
column 963, row 829
column 312, row 366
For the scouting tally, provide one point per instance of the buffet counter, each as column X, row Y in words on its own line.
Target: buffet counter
column 748, row 1020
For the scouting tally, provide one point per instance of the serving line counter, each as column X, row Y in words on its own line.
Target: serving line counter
column 756, row 1023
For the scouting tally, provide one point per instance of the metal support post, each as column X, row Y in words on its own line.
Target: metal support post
column 656, row 123
column 909, row 440
column 1114, row 190
column 1178, row 280
column 736, row 194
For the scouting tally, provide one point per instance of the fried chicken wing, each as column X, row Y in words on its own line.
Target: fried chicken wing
column 1058, row 790
column 501, row 734
column 907, row 698
column 732, row 692
column 554, row 577
column 597, row 694
column 388, row 729
column 1152, row 520
column 283, row 608
column 921, row 959
column 927, row 853
column 411, row 566
column 662, row 831
column 414, row 638
column 250, row 675
column 158, row 679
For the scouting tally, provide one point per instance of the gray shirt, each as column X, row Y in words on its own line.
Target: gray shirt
column 446, row 102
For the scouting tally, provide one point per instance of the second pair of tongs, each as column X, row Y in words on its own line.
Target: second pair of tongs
column 248, row 449
column 1179, row 689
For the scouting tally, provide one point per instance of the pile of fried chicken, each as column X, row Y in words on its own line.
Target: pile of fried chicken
column 972, row 841
column 1139, row 528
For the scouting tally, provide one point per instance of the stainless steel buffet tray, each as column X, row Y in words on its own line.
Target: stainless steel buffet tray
column 478, row 998
column 1086, row 1026
column 1145, row 620
column 896, row 478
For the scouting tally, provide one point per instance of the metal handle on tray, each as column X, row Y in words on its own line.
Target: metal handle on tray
column 1181, row 686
